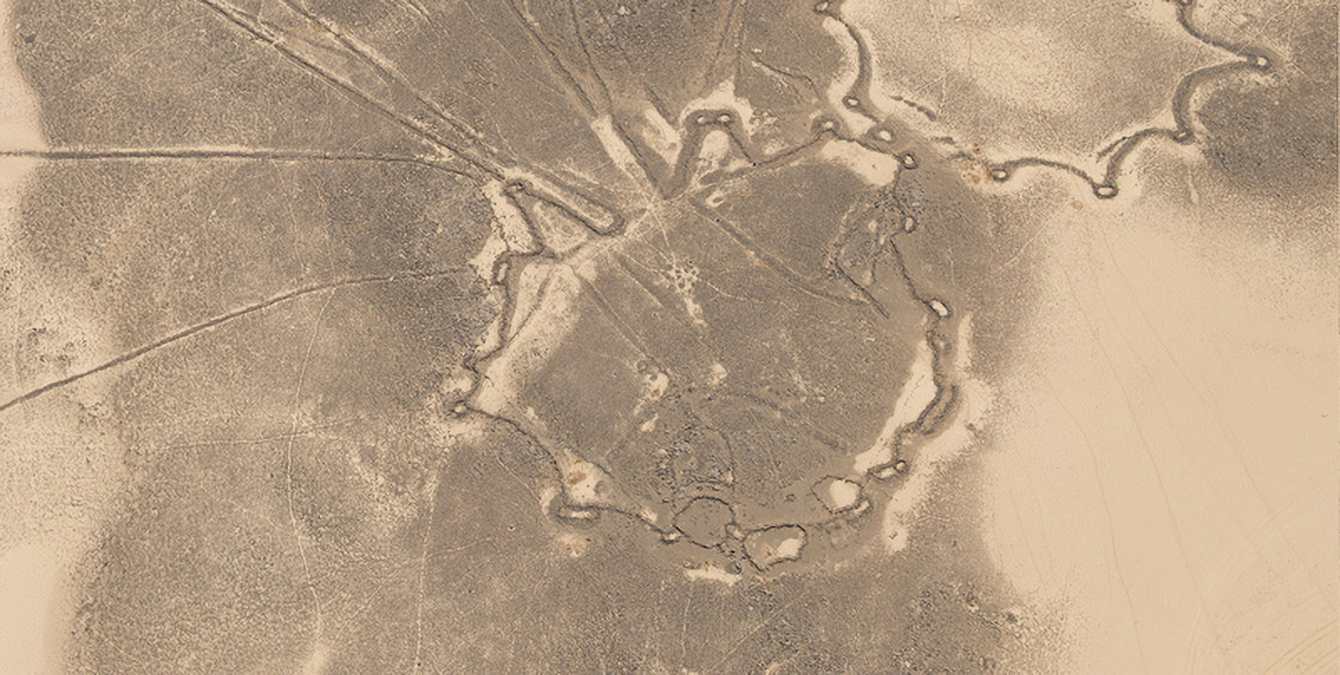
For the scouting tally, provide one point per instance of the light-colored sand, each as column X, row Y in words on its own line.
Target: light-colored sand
column 56, row 481
column 1168, row 472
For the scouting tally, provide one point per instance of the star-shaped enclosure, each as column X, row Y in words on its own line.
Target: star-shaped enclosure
column 392, row 268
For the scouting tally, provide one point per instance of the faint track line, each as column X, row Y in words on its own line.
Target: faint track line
column 215, row 322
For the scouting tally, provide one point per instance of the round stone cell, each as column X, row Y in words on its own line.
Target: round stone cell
column 773, row 545
column 838, row 494
column 704, row 521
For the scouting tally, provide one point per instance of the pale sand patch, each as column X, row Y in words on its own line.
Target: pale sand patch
column 1169, row 472
column 717, row 152
column 572, row 545
column 59, row 475
column 875, row 168
column 664, row 138
column 654, row 386
column 789, row 548
column 775, row 545
column 584, row 484
column 917, row 394
column 19, row 125
column 317, row 661
column 974, row 402
column 838, row 494
column 30, row 576
column 712, row 573
column 509, row 232
column 616, row 148
column 540, row 321
column 717, row 375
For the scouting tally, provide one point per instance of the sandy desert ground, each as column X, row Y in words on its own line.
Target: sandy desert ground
column 669, row 336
